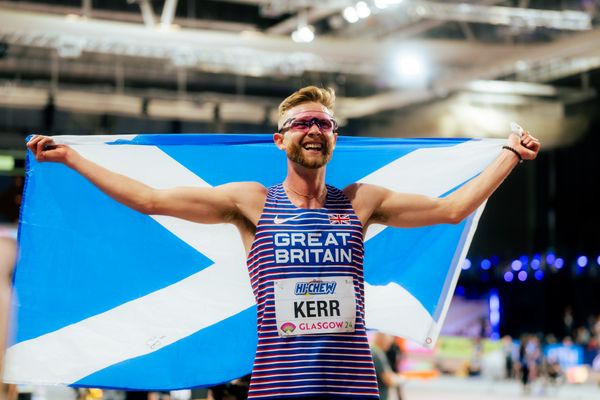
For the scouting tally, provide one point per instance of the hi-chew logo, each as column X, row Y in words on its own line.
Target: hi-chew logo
column 315, row 287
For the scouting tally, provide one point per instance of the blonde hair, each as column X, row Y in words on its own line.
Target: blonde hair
column 309, row 94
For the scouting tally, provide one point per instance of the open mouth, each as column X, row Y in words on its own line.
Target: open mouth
column 313, row 146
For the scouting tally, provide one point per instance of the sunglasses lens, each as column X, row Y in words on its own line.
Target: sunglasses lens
column 300, row 125
column 325, row 124
column 304, row 124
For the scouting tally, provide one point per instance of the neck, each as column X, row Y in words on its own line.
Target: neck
column 305, row 186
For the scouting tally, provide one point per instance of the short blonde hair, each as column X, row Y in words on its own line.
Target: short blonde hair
column 308, row 94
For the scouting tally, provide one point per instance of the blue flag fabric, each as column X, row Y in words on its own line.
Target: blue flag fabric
column 108, row 297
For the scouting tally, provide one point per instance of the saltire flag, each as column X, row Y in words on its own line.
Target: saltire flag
column 108, row 297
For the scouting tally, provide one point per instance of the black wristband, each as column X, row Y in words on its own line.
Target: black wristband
column 514, row 151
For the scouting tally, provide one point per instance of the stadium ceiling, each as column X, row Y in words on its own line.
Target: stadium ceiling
column 245, row 51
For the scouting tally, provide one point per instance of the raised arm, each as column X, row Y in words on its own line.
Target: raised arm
column 234, row 202
column 375, row 204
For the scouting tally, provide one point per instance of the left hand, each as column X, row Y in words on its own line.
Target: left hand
column 527, row 146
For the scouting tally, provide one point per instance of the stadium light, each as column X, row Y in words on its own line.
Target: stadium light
column 466, row 264
column 494, row 304
column 350, row 14
column 486, row 264
column 582, row 261
column 7, row 162
column 362, row 10
column 411, row 65
column 381, row 4
column 516, row 265
column 539, row 274
column 304, row 34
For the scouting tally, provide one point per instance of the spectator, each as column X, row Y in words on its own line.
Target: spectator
column 386, row 378
column 394, row 356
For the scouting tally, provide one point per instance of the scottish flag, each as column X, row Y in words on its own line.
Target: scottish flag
column 108, row 297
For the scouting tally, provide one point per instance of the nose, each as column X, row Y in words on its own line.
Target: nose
column 314, row 127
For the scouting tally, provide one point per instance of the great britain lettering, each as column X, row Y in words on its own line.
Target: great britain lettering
column 313, row 247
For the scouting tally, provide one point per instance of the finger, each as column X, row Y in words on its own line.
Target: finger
column 32, row 142
column 34, row 145
column 533, row 147
column 41, row 144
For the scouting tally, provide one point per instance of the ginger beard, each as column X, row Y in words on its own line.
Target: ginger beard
column 295, row 152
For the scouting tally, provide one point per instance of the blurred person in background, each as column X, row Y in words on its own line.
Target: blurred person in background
column 8, row 256
column 524, row 372
column 509, row 361
column 568, row 322
column 380, row 344
column 394, row 355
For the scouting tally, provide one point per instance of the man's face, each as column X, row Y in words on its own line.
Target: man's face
column 307, row 133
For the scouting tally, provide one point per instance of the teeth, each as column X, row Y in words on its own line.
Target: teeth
column 312, row 146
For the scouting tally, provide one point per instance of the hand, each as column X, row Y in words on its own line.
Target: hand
column 44, row 149
column 527, row 146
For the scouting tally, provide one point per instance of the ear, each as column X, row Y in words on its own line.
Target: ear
column 278, row 139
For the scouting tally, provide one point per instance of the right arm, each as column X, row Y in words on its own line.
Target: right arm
column 232, row 202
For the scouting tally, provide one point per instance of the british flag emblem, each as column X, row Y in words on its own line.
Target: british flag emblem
column 339, row 219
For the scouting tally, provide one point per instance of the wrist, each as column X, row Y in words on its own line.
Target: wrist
column 71, row 157
column 514, row 151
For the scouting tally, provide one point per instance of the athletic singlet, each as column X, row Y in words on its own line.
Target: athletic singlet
column 308, row 246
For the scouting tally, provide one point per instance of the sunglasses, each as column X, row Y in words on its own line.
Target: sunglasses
column 303, row 124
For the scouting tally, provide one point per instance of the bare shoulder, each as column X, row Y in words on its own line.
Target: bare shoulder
column 364, row 192
column 249, row 198
column 245, row 191
column 365, row 198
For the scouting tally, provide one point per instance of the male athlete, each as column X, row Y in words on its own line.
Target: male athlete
column 304, row 241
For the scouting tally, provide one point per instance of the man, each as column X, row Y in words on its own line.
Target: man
column 386, row 377
column 304, row 241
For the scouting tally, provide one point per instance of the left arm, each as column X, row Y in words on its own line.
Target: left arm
column 379, row 205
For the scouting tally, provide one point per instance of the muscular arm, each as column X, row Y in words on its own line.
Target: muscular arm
column 375, row 204
column 235, row 202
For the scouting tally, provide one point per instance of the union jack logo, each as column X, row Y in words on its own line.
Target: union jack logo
column 339, row 219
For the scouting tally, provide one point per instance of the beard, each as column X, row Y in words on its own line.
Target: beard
column 294, row 153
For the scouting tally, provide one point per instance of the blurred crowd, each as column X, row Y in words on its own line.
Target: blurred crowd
column 547, row 359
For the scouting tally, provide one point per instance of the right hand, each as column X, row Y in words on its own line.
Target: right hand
column 44, row 149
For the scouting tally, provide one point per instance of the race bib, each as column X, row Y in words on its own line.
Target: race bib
column 314, row 306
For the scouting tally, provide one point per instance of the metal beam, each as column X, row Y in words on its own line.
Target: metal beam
column 320, row 11
column 120, row 16
column 511, row 16
column 86, row 8
column 569, row 47
column 147, row 13
column 396, row 22
column 410, row 18
column 168, row 13
column 246, row 53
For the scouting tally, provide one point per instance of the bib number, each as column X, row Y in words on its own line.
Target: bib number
column 314, row 306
